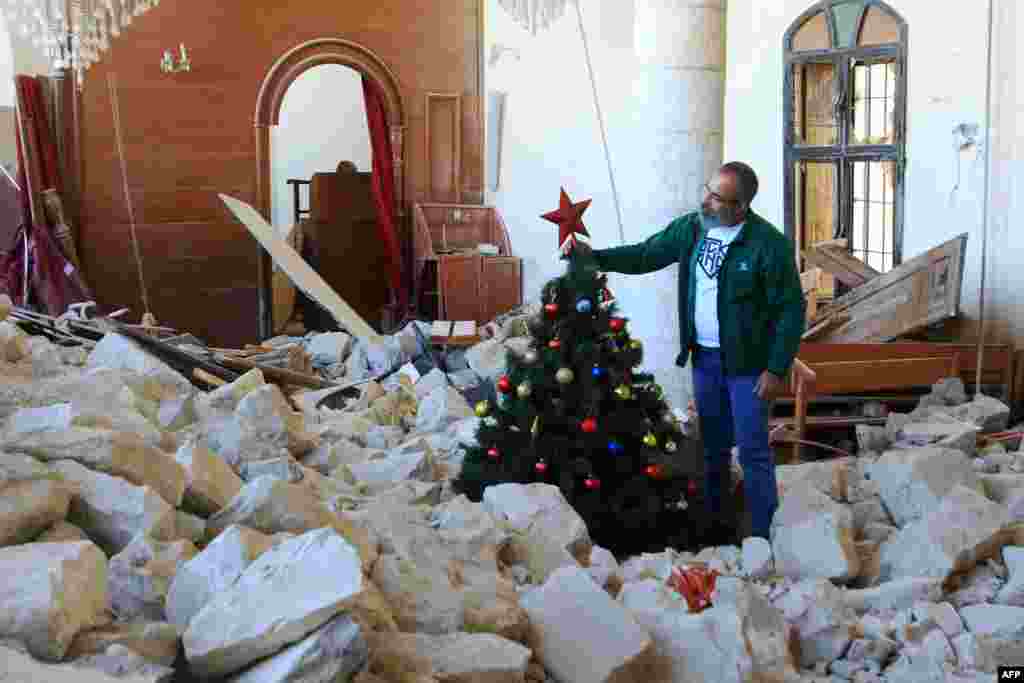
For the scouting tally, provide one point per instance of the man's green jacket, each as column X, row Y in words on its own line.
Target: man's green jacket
column 760, row 301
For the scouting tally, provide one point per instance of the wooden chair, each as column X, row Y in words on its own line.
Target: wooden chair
column 803, row 380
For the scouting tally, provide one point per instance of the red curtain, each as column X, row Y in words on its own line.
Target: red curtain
column 53, row 280
column 384, row 185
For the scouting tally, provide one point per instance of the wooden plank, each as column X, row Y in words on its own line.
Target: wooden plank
column 923, row 291
column 304, row 277
column 276, row 374
column 443, row 133
column 846, row 268
column 854, row 377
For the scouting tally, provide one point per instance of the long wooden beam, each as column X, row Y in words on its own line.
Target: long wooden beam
column 304, row 277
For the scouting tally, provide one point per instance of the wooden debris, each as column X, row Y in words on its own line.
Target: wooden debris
column 834, row 258
column 304, row 277
column 207, row 378
column 180, row 360
column 276, row 375
column 921, row 292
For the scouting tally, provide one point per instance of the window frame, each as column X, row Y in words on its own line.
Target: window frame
column 843, row 154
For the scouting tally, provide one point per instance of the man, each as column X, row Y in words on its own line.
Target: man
column 741, row 316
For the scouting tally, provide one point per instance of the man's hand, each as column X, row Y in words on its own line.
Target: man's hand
column 768, row 386
column 577, row 248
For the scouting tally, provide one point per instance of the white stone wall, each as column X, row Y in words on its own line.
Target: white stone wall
column 659, row 72
column 946, row 87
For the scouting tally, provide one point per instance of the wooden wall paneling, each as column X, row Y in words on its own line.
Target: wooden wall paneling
column 459, row 273
column 443, row 135
column 500, row 286
column 194, row 133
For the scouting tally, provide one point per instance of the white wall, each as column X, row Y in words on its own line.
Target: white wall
column 323, row 122
column 946, row 86
column 6, row 66
column 655, row 114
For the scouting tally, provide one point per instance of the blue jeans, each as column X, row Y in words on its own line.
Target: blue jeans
column 731, row 413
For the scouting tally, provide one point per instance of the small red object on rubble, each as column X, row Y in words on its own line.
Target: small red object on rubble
column 695, row 583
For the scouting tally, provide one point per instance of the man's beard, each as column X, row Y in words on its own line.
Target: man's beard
column 712, row 219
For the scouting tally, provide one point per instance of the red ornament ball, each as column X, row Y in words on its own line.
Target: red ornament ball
column 617, row 324
column 504, row 385
column 493, row 453
column 551, row 310
column 555, row 344
column 541, row 467
column 652, row 471
column 592, row 483
column 589, row 425
column 691, row 488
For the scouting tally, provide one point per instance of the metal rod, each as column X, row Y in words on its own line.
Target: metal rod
column 985, row 204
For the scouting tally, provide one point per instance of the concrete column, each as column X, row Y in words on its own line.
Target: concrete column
column 679, row 94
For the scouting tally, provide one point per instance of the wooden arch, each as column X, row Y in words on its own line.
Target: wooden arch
column 279, row 78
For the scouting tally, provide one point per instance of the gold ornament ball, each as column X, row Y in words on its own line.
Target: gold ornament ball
column 482, row 409
column 670, row 446
column 564, row 376
column 624, row 392
column 524, row 390
column 650, row 440
column 636, row 345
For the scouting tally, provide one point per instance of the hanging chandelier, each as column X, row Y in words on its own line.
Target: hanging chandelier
column 72, row 33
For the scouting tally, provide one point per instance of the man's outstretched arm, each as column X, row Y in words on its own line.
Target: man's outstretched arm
column 656, row 252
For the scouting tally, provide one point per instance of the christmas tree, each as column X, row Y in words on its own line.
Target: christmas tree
column 575, row 411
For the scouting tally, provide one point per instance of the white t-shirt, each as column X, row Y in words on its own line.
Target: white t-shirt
column 709, row 262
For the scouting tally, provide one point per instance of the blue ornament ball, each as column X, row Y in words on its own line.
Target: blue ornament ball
column 584, row 306
column 614, row 447
column 597, row 372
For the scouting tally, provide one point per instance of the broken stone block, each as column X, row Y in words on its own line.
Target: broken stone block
column 1013, row 592
column 266, row 410
column 570, row 609
column 978, row 586
column 210, row 483
column 284, row 595
column 813, row 536
column 1002, row 487
column 282, row 468
column 870, row 511
column 13, row 343
column 440, row 408
column 482, row 657
column 28, row 508
column 604, row 568
column 140, row 575
column 329, row 348
column 53, row 418
column 15, row 468
column 435, row 379
column 1005, row 622
column 271, row 505
column 345, row 426
column 894, row 595
column 913, row 482
column 940, row 432
column 116, row 453
column 943, row 614
column 488, row 359
column 328, row 457
column 960, row 532
column 541, row 508
column 155, row 641
column 113, row 511
column 334, row 652
column 829, row 477
column 822, row 621
column 212, row 571
column 50, row 592
column 6, row 305
column 382, row 474
column 20, row 666
column 870, row 438
column 757, row 557
column 62, row 532
column 986, row 413
column 224, row 400
column 878, row 533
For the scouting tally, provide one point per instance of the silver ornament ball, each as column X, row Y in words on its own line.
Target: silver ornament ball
column 564, row 376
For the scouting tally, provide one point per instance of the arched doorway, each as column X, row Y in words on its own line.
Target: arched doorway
column 281, row 75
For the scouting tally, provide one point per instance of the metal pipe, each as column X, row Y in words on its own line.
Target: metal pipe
column 985, row 201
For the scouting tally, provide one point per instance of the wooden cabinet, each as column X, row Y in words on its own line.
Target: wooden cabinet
column 451, row 273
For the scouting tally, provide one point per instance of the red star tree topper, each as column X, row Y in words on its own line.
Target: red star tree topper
column 569, row 218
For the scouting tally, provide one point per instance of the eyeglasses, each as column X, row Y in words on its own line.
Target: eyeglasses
column 717, row 197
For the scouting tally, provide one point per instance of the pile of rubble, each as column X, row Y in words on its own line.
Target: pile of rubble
column 153, row 532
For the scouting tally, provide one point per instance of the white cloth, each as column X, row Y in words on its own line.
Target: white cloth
column 710, row 257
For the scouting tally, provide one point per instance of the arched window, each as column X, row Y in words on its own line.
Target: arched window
column 845, row 127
